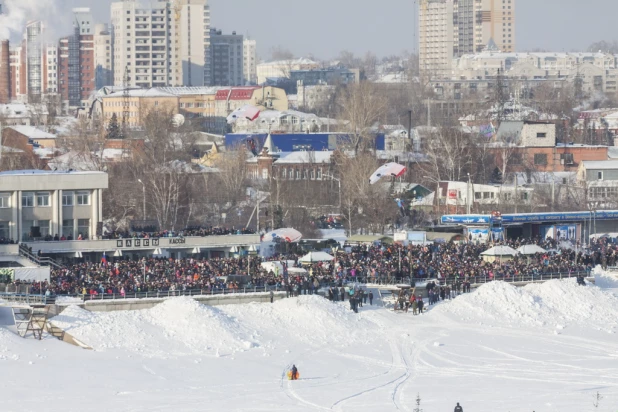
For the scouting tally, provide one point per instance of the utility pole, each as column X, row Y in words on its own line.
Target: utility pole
column 468, row 196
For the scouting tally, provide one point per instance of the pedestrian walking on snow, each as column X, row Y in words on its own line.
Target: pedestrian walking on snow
column 371, row 298
column 458, row 408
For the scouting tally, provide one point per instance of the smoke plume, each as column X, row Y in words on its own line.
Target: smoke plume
column 18, row 12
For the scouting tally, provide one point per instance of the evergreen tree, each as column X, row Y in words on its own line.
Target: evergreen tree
column 496, row 176
column 113, row 129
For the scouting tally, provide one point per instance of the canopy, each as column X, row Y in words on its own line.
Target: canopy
column 530, row 249
column 287, row 234
column 312, row 257
column 247, row 111
column 369, row 239
column 500, row 251
column 388, row 169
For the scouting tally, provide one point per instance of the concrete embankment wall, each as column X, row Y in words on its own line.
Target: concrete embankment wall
column 139, row 304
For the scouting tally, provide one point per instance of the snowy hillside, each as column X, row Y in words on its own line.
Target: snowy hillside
column 548, row 347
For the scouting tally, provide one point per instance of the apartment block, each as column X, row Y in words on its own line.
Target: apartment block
column 103, row 56
column 449, row 29
column 250, row 61
column 160, row 43
column 76, row 60
column 226, row 59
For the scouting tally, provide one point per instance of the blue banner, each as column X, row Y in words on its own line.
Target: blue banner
column 533, row 217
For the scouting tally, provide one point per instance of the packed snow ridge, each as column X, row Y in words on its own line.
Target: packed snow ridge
column 555, row 304
column 183, row 326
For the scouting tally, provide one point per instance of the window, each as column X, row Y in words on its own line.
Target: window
column 4, row 230
column 599, row 175
column 541, row 135
column 44, row 226
column 319, row 174
column 67, row 228
column 540, row 159
column 297, row 174
column 485, row 195
column 27, row 199
column 83, row 198
column 567, row 158
column 67, row 198
column 42, row 199
column 524, row 196
column 83, row 228
column 5, row 200
column 477, row 195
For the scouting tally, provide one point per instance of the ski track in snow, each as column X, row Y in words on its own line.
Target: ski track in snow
column 556, row 343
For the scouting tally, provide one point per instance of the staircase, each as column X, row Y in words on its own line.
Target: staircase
column 39, row 260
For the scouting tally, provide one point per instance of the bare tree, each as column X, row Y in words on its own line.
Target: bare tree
column 361, row 108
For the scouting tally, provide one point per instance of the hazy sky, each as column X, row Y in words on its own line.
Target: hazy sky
column 324, row 27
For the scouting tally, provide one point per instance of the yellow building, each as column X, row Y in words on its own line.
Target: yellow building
column 138, row 102
column 264, row 98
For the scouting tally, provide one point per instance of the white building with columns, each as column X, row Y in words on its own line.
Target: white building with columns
column 39, row 203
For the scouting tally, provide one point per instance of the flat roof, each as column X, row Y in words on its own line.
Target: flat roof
column 46, row 172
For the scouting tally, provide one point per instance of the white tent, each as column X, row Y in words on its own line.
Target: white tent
column 530, row 249
column 499, row 253
column 312, row 257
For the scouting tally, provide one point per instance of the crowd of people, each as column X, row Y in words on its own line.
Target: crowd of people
column 454, row 266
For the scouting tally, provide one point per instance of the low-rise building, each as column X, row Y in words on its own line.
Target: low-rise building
column 37, row 204
column 264, row 98
column 27, row 137
column 528, row 145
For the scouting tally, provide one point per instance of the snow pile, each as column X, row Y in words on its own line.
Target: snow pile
column 176, row 327
column 310, row 319
column 606, row 280
column 556, row 303
column 8, row 340
column 182, row 326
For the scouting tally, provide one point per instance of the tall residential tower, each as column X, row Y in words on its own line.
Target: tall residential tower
column 160, row 42
column 449, row 29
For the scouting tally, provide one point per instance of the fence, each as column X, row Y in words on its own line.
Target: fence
column 28, row 298
column 531, row 277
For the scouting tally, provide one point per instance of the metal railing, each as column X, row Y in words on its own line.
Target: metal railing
column 30, row 298
column 27, row 298
column 474, row 280
column 39, row 260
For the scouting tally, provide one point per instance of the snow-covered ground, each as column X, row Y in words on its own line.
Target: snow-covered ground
column 548, row 347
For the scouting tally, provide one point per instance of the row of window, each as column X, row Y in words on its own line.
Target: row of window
column 44, row 229
column 41, row 199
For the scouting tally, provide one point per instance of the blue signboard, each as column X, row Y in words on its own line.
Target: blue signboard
column 533, row 217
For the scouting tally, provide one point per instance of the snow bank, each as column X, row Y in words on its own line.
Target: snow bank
column 310, row 319
column 556, row 303
column 182, row 326
column 606, row 280
column 176, row 327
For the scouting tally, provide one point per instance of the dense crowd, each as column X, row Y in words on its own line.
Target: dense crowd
column 449, row 263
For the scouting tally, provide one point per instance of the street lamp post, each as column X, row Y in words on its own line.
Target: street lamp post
column 144, row 200
column 338, row 183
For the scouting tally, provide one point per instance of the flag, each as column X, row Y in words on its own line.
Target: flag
column 247, row 111
column 104, row 259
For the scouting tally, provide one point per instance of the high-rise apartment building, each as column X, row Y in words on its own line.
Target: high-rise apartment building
column 225, row 59
column 250, row 61
column 160, row 42
column 103, row 62
column 76, row 65
column 33, row 42
column 449, row 29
